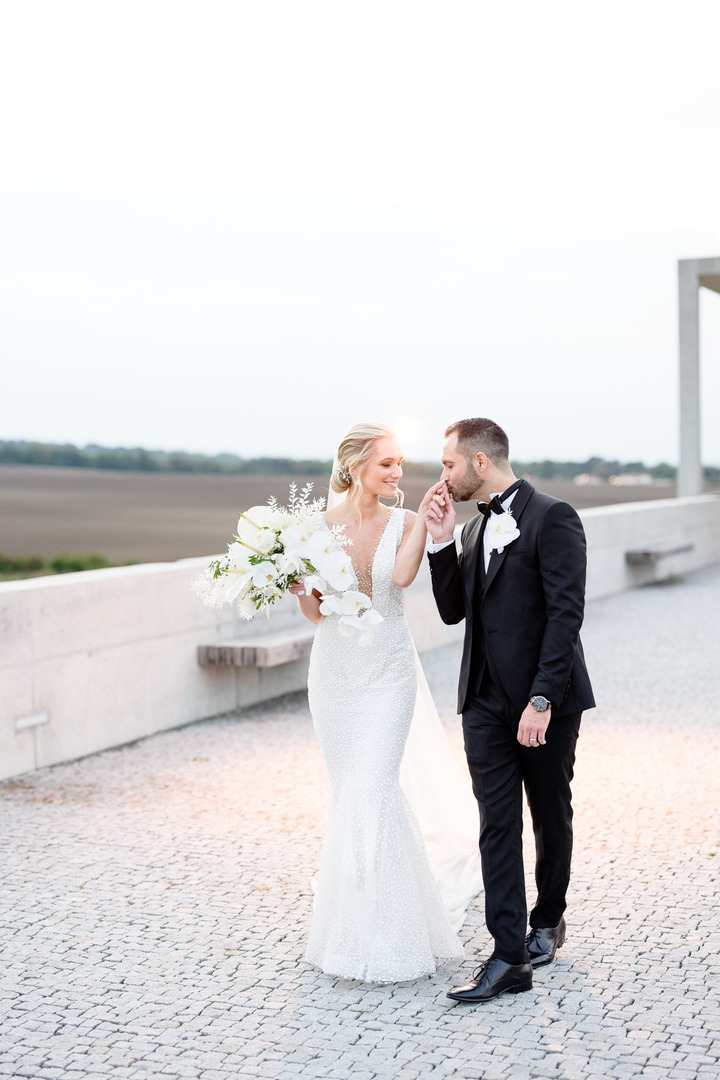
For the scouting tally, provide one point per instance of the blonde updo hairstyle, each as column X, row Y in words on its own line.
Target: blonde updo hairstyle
column 353, row 454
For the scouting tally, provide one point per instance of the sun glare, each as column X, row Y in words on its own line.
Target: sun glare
column 409, row 433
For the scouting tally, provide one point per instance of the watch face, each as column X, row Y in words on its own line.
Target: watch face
column 539, row 703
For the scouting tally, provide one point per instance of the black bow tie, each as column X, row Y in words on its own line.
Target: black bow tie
column 495, row 505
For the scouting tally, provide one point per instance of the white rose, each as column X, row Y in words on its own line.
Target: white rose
column 266, row 540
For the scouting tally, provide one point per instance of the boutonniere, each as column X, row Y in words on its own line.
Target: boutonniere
column 502, row 529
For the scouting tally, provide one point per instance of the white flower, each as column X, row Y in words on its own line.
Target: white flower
column 267, row 540
column 502, row 530
column 258, row 528
column 246, row 608
column 277, row 545
column 263, row 517
column 239, row 556
column 348, row 603
column 210, row 591
column 364, row 624
column 264, row 574
column 238, row 587
column 289, row 563
column 314, row 581
column 296, row 538
column 336, row 568
column 368, row 620
column 320, row 546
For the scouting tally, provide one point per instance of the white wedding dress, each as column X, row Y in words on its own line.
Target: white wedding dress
column 380, row 913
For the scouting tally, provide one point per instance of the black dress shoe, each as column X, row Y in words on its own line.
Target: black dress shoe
column 543, row 943
column 495, row 977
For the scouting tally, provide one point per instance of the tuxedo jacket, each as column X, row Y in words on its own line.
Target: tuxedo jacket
column 522, row 617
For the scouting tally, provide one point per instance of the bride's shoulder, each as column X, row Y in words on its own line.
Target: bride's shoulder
column 332, row 517
column 408, row 518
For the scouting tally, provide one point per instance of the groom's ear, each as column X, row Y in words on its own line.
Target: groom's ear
column 480, row 463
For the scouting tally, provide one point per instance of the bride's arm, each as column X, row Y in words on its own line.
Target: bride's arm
column 412, row 548
column 309, row 605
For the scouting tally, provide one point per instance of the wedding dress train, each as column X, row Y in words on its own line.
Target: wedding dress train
column 382, row 911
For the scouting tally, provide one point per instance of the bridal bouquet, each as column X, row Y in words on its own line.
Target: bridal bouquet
column 279, row 546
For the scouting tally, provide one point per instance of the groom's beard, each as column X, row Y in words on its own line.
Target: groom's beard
column 469, row 486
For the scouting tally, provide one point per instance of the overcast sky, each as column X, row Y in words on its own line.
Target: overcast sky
column 245, row 226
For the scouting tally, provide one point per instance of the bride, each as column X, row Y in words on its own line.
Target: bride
column 394, row 882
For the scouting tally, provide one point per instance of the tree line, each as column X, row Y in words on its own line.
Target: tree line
column 138, row 459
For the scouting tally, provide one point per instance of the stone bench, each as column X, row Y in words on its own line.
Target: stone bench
column 269, row 650
column 651, row 554
column 656, row 562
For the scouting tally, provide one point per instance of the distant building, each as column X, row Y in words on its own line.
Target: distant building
column 588, row 478
column 632, row 479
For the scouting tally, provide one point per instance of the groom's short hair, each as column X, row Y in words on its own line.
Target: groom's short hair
column 480, row 435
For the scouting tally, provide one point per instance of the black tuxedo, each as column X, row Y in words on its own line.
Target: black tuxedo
column 523, row 619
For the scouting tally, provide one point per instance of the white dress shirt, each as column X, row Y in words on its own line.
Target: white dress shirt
column 487, row 549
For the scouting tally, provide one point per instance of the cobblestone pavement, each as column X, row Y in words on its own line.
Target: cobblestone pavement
column 155, row 898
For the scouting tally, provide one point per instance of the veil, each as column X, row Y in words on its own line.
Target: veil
column 439, row 793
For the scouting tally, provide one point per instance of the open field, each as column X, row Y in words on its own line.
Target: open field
column 151, row 517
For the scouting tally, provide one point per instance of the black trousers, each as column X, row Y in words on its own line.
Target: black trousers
column 499, row 768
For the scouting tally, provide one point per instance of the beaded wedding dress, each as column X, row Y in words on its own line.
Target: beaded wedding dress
column 380, row 913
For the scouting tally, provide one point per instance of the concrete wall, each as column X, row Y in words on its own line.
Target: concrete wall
column 93, row 660
column 613, row 530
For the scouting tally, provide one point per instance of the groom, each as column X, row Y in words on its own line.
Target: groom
column 519, row 583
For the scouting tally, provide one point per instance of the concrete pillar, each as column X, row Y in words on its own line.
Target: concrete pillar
column 692, row 274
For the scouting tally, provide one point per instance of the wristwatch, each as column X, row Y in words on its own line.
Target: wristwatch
column 539, row 703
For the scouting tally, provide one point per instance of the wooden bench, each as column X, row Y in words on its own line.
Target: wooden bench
column 651, row 554
column 271, row 650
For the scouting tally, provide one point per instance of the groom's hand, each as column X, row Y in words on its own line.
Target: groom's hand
column 440, row 514
column 532, row 727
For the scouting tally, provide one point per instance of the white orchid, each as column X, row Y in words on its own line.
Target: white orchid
column 337, row 569
column 362, row 623
column 348, row 603
column 297, row 537
column 321, row 545
column 314, row 581
column 265, row 574
column 502, row 529
column 290, row 564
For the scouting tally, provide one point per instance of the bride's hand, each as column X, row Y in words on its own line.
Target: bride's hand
column 429, row 497
column 440, row 514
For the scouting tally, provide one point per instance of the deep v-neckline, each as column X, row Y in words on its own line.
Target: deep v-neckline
column 364, row 575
